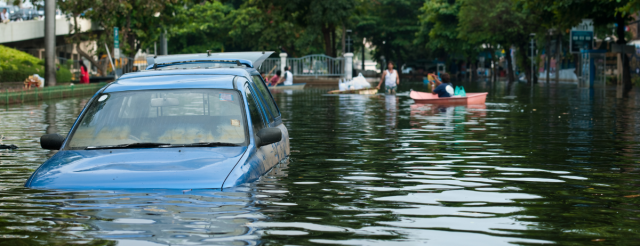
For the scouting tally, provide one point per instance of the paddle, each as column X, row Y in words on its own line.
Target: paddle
column 269, row 74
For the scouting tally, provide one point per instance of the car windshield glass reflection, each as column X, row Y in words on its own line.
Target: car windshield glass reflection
column 162, row 118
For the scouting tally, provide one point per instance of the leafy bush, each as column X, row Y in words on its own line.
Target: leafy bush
column 15, row 65
column 63, row 75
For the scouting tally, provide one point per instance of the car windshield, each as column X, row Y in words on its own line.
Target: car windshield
column 162, row 118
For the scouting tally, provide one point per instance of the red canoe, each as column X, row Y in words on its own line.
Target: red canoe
column 470, row 99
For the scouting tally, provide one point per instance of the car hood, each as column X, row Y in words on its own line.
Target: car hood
column 170, row 168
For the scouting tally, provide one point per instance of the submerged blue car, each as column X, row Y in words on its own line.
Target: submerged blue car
column 188, row 122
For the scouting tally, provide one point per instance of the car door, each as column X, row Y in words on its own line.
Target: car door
column 275, row 118
column 261, row 158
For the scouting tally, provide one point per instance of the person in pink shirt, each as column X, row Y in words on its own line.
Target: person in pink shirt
column 275, row 78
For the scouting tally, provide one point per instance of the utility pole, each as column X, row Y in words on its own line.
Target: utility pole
column 163, row 44
column 363, row 50
column 533, row 43
column 50, row 42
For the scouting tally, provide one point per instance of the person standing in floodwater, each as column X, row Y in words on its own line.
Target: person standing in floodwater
column 442, row 88
column 390, row 78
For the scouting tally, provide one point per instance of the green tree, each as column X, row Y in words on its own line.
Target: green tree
column 568, row 13
column 280, row 29
column 314, row 16
column 391, row 26
column 200, row 27
column 499, row 22
column 75, row 8
column 234, row 26
column 140, row 22
column 439, row 31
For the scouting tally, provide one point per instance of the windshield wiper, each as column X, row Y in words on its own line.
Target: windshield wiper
column 131, row 145
column 207, row 144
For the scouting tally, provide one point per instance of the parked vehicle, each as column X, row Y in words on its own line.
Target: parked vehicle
column 407, row 69
column 28, row 13
column 419, row 67
column 189, row 122
column 14, row 12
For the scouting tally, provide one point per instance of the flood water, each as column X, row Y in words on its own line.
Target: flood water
column 553, row 165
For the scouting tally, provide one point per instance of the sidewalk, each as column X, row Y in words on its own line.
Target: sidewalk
column 18, row 96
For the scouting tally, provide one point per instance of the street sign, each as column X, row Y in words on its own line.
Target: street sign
column 581, row 37
column 348, row 42
column 116, row 43
column 533, row 48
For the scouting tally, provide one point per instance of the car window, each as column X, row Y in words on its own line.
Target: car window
column 183, row 116
column 257, row 121
column 266, row 96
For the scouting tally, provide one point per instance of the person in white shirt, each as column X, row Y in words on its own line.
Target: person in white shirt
column 4, row 16
column 287, row 77
column 390, row 78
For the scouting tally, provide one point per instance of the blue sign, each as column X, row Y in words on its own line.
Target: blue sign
column 116, row 38
column 581, row 40
column 116, row 43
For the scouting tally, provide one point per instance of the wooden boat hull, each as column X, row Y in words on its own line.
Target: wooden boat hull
column 298, row 86
column 366, row 91
column 470, row 99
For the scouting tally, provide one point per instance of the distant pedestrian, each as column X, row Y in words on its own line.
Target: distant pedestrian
column 275, row 78
column 4, row 16
column 442, row 88
column 390, row 78
column 287, row 78
column 84, row 74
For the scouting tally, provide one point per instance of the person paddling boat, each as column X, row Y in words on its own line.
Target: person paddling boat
column 442, row 88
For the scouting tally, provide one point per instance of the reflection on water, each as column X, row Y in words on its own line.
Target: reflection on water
column 558, row 165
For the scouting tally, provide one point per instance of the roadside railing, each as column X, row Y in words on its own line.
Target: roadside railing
column 311, row 65
column 270, row 65
column 35, row 94
column 123, row 65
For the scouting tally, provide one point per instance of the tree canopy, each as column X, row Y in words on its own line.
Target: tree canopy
column 399, row 30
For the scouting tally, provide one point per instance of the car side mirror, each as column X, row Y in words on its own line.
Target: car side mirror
column 51, row 141
column 268, row 136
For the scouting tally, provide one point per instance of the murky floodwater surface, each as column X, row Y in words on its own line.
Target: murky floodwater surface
column 557, row 164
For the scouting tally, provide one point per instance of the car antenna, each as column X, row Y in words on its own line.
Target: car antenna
column 208, row 52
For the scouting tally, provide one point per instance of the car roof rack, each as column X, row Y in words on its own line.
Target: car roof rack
column 166, row 64
column 250, row 59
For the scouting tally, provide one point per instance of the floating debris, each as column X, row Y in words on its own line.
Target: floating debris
column 10, row 146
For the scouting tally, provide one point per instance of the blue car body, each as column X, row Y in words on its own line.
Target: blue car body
column 179, row 167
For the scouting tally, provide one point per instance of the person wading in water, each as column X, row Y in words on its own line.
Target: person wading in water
column 390, row 78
